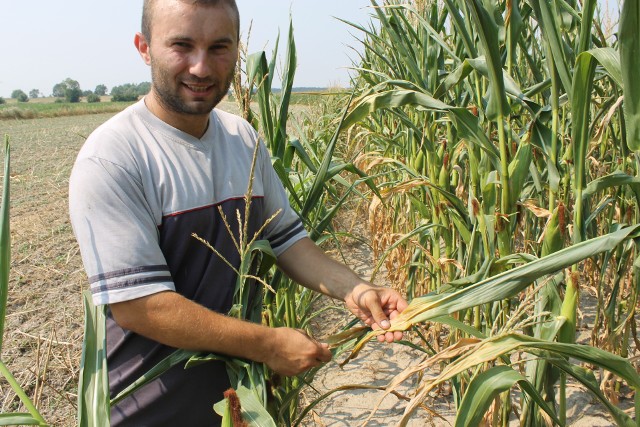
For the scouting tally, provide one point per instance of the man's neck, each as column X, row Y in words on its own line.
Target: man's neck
column 194, row 125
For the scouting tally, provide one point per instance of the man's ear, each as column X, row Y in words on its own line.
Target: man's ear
column 143, row 48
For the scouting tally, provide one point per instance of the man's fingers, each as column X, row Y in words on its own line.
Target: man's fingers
column 378, row 313
column 325, row 354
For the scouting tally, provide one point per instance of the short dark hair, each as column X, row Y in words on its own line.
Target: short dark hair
column 147, row 10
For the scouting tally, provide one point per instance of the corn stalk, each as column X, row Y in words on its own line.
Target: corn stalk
column 501, row 127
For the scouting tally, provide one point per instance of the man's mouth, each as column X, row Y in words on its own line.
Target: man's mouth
column 198, row 88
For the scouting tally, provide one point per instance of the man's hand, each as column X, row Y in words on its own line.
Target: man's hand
column 376, row 307
column 308, row 265
column 176, row 321
column 294, row 352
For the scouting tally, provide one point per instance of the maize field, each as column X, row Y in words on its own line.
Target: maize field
column 491, row 149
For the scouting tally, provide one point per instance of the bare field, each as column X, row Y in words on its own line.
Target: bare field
column 44, row 327
column 43, row 334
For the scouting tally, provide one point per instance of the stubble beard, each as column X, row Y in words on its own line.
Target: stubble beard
column 169, row 97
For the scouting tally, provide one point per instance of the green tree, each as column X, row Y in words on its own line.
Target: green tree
column 34, row 93
column 71, row 84
column 143, row 88
column 58, row 90
column 100, row 90
column 93, row 98
column 124, row 93
column 2, row 101
column 73, row 94
column 19, row 95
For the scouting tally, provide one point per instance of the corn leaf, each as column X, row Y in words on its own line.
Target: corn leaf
column 551, row 32
column 5, row 240
column 629, row 37
column 519, row 170
column 486, row 386
column 497, row 106
column 93, row 386
column 18, row 419
column 502, row 286
column 258, row 74
column 465, row 122
column 168, row 362
column 492, row 348
column 588, row 379
column 580, row 108
column 287, row 87
column 588, row 9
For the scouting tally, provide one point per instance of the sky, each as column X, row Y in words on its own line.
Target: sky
column 43, row 42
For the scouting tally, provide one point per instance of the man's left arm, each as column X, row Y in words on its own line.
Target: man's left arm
column 308, row 265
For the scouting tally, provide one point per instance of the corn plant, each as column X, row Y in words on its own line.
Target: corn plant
column 32, row 417
column 310, row 173
column 498, row 135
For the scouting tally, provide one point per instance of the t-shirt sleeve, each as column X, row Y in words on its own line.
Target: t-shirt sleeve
column 116, row 231
column 286, row 228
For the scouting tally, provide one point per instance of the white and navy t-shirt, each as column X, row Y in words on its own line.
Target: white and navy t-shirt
column 138, row 191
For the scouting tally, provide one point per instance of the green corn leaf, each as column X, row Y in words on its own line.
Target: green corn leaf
column 322, row 177
column 541, row 138
column 168, row 362
column 497, row 106
column 609, row 59
column 586, row 378
column 519, row 170
column 588, row 9
column 19, row 419
column 28, row 404
column 93, row 386
column 580, row 104
column 629, row 37
column 486, row 386
column 616, row 179
column 258, row 73
column 551, row 32
column 461, row 29
column 5, row 240
column 287, row 87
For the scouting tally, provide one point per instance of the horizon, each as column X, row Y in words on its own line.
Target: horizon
column 92, row 43
column 95, row 52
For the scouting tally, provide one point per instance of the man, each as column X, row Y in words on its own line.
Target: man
column 170, row 166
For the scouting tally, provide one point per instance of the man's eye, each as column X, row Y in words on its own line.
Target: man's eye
column 218, row 48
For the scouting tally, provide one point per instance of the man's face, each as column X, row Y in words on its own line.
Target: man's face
column 193, row 53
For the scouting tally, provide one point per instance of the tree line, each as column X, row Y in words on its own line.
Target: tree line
column 69, row 90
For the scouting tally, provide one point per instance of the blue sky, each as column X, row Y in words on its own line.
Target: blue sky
column 43, row 42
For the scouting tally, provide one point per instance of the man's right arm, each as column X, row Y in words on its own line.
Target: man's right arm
column 176, row 321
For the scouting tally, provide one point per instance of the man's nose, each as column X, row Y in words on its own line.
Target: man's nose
column 200, row 65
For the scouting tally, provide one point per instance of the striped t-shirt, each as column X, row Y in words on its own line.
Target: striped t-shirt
column 138, row 191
